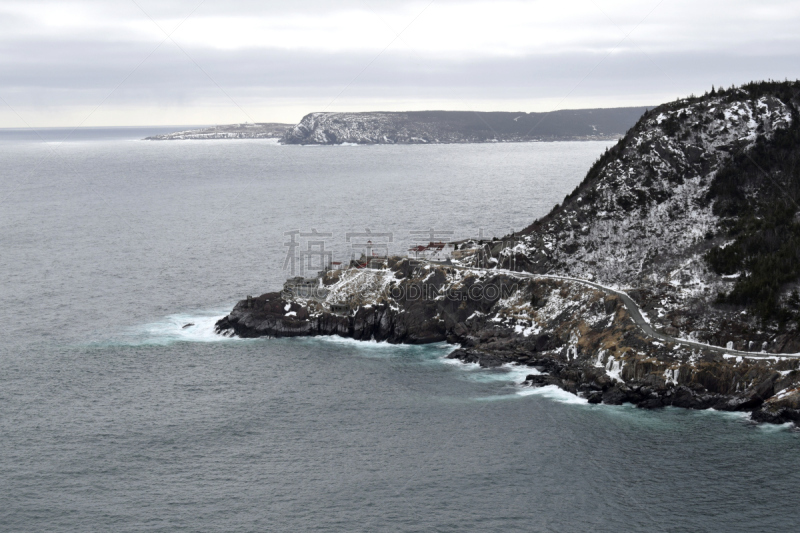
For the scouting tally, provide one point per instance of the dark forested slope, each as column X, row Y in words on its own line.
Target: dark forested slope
column 695, row 211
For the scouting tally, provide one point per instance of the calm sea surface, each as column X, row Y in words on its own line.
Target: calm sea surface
column 114, row 418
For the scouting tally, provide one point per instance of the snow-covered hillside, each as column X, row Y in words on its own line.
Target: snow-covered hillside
column 643, row 220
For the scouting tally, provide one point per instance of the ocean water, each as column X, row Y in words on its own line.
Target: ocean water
column 114, row 417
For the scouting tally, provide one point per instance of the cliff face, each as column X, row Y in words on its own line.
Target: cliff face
column 435, row 127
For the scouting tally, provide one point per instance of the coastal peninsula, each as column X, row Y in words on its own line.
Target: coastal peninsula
column 669, row 276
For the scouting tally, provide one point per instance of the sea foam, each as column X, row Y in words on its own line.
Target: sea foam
column 179, row 327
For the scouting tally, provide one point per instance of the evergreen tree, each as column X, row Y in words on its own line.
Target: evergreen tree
column 794, row 301
column 756, row 196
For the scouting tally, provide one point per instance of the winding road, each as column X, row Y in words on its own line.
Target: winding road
column 636, row 314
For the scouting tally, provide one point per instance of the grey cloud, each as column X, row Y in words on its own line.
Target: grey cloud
column 81, row 70
column 87, row 66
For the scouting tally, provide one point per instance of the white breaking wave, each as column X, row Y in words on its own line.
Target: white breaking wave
column 515, row 375
column 741, row 415
column 336, row 339
column 553, row 393
column 774, row 428
column 383, row 349
column 460, row 364
column 508, row 373
column 181, row 327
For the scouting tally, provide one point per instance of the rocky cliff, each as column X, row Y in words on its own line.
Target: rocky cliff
column 682, row 215
column 436, row 127
column 429, row 127
column 656, row 209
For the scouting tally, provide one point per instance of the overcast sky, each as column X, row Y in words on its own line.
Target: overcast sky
column 148, row 62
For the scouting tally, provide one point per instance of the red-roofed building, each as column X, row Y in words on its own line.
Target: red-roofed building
column 433, row 251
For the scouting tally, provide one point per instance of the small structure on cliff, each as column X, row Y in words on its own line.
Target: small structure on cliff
column 340, row 308
column 433, row 251
column 377, row 262
column 307, row 288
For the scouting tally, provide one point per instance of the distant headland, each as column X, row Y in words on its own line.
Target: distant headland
column 431, row 127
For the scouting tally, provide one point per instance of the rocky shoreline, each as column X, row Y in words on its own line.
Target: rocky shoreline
column 575, row 337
